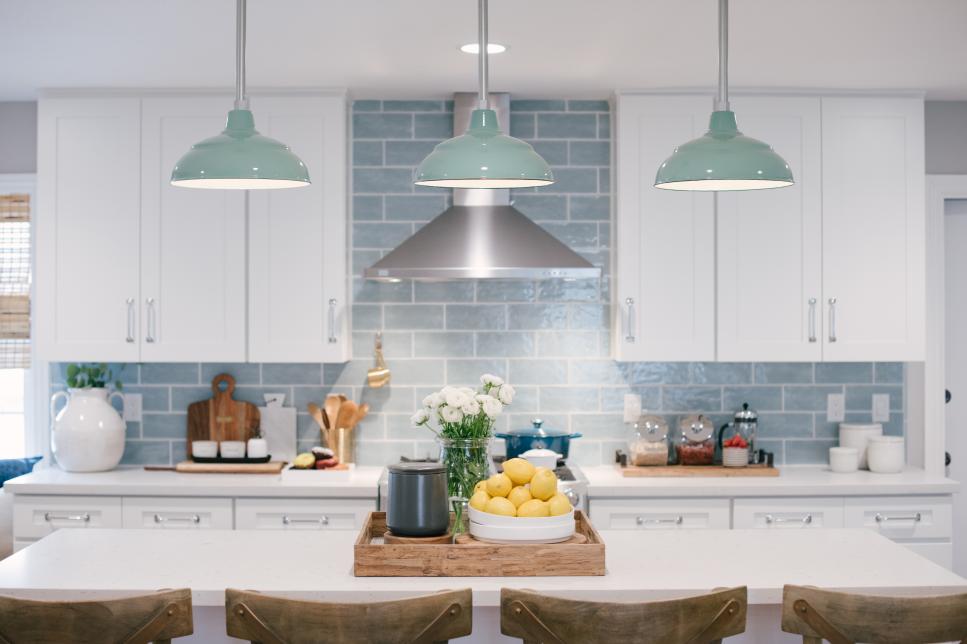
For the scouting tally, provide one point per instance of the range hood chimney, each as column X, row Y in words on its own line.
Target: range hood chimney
column 482, row 236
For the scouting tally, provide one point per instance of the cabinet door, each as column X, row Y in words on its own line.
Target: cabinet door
column 788, row 513
column 192, row 242
column 664, row 273
column 873, row 228
column 770, row 242
column 302, row 514
column 298, row 296
column 660, row 514
column 177, row 513
column 88, row 218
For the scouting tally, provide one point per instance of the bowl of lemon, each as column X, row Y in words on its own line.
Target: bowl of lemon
column 521, row 505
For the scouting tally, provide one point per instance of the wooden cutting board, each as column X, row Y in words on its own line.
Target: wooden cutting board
column 272, row 467
column 222, row 418
column 697, row 470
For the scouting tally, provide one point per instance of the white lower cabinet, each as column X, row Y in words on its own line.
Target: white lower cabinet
column 176, row 513
column 302, row 514
column 790, row 513
column 660, row 514
column 37, row 516
column 923, row 524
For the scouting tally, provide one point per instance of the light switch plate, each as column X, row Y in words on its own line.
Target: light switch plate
column 632, row 408
column 881, row 408
column 835, row 408
column 132, row 407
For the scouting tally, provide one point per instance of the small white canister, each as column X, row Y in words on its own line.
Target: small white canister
column 886, row 454
column 858, row 435
column 844, row 459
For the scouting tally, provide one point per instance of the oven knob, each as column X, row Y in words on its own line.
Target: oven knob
column 572, row 496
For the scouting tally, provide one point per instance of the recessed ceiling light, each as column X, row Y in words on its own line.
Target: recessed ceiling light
column 474, row 48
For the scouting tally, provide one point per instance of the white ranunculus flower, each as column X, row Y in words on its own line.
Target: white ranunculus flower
column 455, row 397
column 420, row 418
column 433, row 401
column 506, row 394
column 451, row 414
column 491, row 406
column 471, row 407
column 491, row 379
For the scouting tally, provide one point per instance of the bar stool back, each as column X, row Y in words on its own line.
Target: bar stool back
column 158, row 617
column 419, row 620
column 845, row 618
column 534, row 617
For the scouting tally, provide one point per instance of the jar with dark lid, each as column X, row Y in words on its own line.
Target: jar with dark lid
column 417, row 502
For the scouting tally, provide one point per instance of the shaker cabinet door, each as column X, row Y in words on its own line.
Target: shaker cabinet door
column 665, row 246
column 192, row 242
column 88, row 229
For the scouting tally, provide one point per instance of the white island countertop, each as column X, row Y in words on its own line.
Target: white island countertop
column 318, row 565
column 606, row 481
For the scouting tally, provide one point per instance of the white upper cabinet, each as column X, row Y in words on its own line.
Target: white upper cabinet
column 192, row 242
column 665, row 272
column 770, row 242
column 88, row 229
column 873, row 229
column 298, row 285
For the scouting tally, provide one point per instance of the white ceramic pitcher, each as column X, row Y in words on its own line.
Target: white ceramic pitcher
column 88, row 434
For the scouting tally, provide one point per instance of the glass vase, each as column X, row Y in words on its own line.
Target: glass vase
column 468, row 462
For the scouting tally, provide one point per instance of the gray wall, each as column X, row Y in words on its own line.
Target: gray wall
column 946, row 126
column 18, row 137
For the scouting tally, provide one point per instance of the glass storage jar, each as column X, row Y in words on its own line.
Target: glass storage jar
column 648, row 444
column 695, row 445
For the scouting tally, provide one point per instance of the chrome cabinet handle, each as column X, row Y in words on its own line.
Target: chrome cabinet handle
column 630, row 320
column 130, row 338
column 323, row 520
column 832, row 319
column 916, row 518
column 332, row 321
column 679, row 520
column 151, row 320
column 806, row 520
column 85, row 518
column 161, row 519
column 812, row 319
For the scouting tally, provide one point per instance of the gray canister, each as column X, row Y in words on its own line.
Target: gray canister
column 418, row 504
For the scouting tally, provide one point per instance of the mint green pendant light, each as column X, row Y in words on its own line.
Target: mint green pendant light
column 484, row 157
column 724, row 158
column 240, row 158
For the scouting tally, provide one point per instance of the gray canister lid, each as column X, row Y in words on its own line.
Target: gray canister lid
column 417, row 468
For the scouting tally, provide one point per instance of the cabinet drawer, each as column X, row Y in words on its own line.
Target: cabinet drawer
column 38, row 516
column 661, row 514
column 176, row 513
column 301, row 514
column 788, row 513
column 902, row 517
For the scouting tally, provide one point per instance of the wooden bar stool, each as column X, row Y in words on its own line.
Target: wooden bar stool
column 537, row 618
column 845, row 618
column 158, row 617
column 417, row 620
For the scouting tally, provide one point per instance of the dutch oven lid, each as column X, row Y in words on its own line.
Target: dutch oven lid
column 416, row 468
column 539, row 431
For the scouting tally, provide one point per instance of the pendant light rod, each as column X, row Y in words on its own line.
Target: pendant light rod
column 482, row 68
column 722, row 97
column 241, row 100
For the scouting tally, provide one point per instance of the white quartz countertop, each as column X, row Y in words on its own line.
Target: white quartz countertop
column 606, row 481
column 360, row 482
column 318, row 565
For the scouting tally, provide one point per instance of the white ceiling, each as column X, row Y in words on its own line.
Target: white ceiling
column 391, row 48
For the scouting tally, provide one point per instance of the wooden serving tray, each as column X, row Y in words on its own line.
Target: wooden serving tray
column 698, row 470
column 472, row 558
column 272, row 467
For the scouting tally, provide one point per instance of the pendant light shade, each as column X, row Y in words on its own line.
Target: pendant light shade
column 484, row 157
column 240, row 158
column 724, row 158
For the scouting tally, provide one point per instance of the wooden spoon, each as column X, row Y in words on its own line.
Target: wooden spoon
column 332, row 410
column 316, row 412
column 360, row 413
column 347, row 412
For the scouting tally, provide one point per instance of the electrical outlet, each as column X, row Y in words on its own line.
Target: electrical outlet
column 132, row 407
column 632, row 408
column 881, row 408
column 835, row 408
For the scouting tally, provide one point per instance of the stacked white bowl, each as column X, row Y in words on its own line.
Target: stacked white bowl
column 503, row 529
column 858, row 435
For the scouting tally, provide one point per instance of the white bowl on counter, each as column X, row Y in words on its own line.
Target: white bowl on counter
column 542, row 458
column 487, row 519
column 523, row 534
column 858, row 435
column 886, row 454
column 843, row 460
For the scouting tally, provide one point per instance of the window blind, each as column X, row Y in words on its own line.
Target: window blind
column 14, row 281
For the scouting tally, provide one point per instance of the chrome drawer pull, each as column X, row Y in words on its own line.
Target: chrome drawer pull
column 812, row 319
column 916, row 518
column 324, row 520
column 332, row 321
column 630, row 328
column 832, row 319
column 130, row 320
column 679, row 520
column 806, row 520
column 86, row 518
column 193, row 519
column 151, row 320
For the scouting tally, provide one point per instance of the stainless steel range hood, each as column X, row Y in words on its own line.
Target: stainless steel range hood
column 482, row 236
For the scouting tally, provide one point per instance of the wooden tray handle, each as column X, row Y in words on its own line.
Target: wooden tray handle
column 218, row 380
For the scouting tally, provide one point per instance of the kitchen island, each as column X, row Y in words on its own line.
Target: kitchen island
column 318, row 565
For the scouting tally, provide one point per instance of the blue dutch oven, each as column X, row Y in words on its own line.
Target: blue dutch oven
column 536, row 437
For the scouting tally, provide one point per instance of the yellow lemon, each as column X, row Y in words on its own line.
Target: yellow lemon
column 558, row 505
column 482, row 485
column 533, row 508
column 479, row 500
column 518, row 495
column 519, row 470
column 499, row 485
column 500, row 505
column 544, row 484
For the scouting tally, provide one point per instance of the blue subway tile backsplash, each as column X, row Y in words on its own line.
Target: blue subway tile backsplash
column 551, row 339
